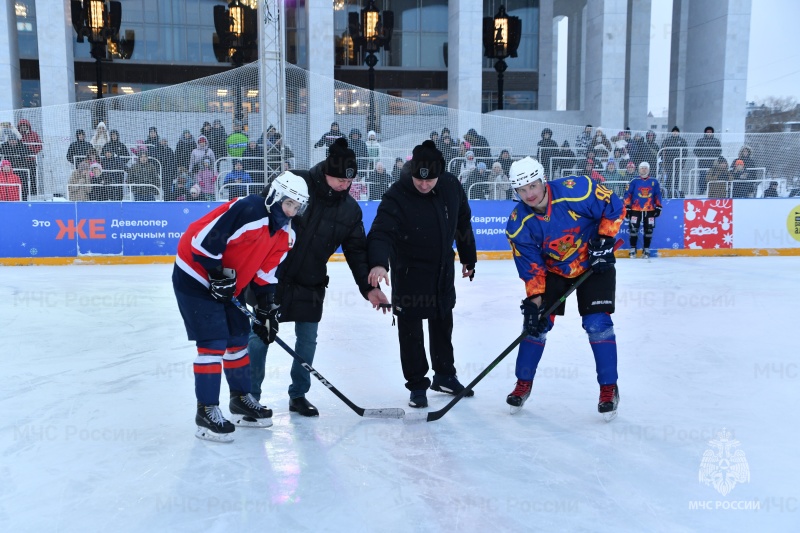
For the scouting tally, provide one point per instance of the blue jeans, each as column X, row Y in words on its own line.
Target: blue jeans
column 305, row 347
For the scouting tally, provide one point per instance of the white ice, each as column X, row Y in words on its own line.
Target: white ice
column 97, row 404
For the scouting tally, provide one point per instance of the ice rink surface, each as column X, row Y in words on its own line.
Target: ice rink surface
column 97, row 432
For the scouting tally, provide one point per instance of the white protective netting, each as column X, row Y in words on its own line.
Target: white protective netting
column 149, row 148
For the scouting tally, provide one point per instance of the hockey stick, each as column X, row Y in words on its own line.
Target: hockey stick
column 436, row 415
column 367, row 413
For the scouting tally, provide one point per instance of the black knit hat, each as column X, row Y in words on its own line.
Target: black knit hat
column 426, row 161
column 676, row 128
column 341, row 161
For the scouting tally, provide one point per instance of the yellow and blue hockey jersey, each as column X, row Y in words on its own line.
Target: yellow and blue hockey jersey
column 578, row 210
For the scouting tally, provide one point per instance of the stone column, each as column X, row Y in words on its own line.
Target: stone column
column 637, row 66
column 56, row 59
column 548, row 41
column 10, row 96
column 320, row 65
column 465, row 58
column 574, row 59
column 606, row 46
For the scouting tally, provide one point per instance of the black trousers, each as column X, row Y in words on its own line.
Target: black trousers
column 639, row 218
column 412, row 349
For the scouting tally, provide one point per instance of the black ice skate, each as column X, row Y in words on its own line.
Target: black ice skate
column 418, row 399
column 609, row 399
column 632, row 253
column 449, row 385
column 247, row 412
column 211, row 425
column 517, row 398
column 646, row 253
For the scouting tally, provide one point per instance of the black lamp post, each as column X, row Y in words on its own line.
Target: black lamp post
column 98, row 21
column 501, row 36
column 371, row 32
column 236, row 40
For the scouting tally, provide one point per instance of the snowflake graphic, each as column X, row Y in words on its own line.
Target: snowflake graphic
column 185, row 210
column 34, row 251
column 727, row 238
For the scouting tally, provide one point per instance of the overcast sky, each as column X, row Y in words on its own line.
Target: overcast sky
column 773, row 67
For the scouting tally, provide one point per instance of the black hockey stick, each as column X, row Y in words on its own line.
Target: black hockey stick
column 367, row 413
column 436, row 415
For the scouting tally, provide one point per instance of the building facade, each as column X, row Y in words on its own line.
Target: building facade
column 436, row 56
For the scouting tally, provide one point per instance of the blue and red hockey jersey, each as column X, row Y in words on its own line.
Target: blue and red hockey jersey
column 578, row 210
column 643, row 194
column 235, row 235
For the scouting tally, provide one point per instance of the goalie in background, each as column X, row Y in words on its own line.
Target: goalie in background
column 558, row 231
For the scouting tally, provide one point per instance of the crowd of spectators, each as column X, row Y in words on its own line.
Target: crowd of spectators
column 104, row 167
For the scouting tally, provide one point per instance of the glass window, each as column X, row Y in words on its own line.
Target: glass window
column 433, row 15
column 431, row 45
column 31, row 93
column 26, row 29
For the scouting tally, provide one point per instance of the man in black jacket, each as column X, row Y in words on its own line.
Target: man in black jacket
column 332, row 219
column 418, row 219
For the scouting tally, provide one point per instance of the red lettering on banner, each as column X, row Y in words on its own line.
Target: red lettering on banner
column 70, row 229
column 96, row 228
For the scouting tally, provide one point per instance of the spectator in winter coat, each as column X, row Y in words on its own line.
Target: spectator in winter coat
column 78, row 149
column 78, row 186
column 589, row 170
column 738, row 173
column 184, row 148
column 18, row 155
column 716, row 179
column 547, row 149
column 10, row 184
column 478, row 144
column 330, row 136
column 333, row 219
column 7, row 130
column 144, row 172
column 198, row 154
column 236, row 181
column 166, row 159
column 612, row 174
column 409, row 228
column 116, row 146
column 674, row 147
column 707, row 148
column 501, row 188
column 30, row 139
column 217, row 138
column 113, row 174
column 358, row 146
column 97, row 192
column 449, row 151
column 373, row 148
column 600, row 143
column 505, row 160
column 236, row 142
column 475, row 183
column 205, row 129
column 467, row 166
column 381, row 181
column 179, row 192
column 398, row 166
column 100, row 137
column 583, row 140
column 651, row 150
column 206, row 180
column 637, row 149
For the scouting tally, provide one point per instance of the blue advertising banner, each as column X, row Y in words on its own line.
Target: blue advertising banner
column 70, row 229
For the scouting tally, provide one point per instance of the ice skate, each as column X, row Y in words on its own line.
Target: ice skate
column 517, row 398
column 632, row 253
column 211, row 425
column 609, row 399
column 247, row 412
column 646, row 253
column 449, row 385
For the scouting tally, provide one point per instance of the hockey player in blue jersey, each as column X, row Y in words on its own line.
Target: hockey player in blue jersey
column 558, row 231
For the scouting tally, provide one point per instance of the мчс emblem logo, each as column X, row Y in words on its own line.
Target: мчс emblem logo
column 722, row 465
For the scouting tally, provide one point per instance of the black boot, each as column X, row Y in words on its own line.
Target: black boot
column 302, row 407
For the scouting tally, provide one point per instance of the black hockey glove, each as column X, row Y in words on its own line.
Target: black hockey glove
column 267, row 312
column 222, row 287
column 533, row 324
column 472, row 268
column 657, row 212
column 601, row 254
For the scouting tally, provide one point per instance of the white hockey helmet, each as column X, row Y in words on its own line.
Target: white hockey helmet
column 525, row 171
column 288, row 185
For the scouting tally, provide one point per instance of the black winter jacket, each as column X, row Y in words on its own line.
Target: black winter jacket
column 332, row 219
column 414, row 233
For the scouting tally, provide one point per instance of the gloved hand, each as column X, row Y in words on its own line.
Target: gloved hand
column 533, row 324
column 222, row 286
column 267, row 312
column 601, row 254
column 657, row 212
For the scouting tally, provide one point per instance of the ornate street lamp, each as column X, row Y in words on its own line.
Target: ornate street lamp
column 501, row 36
column 371, row 31
column 236, row 40
column 98, row 21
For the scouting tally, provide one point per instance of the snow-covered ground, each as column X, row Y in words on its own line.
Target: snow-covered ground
column 98, row 406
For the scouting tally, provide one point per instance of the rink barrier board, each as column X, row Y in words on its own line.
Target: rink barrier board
column 148, row 232
column 482, row 256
